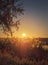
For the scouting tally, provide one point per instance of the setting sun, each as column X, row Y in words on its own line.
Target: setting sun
column 24, row 35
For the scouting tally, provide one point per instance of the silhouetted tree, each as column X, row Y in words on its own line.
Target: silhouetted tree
column 9, row 10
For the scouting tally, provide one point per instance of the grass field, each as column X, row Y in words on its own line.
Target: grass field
column 17, row 52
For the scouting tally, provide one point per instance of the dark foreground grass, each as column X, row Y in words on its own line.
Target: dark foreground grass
column 9, row 55
column 4, row 60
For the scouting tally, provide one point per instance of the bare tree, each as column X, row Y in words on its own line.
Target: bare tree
column 9, row 10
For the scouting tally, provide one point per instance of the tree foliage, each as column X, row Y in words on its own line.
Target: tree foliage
column 9, row 10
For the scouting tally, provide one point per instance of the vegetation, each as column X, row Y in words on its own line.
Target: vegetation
column 10, row 54
column 9, row 12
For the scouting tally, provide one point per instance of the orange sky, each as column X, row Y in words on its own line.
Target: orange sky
column 34, row 22
column 31, row 27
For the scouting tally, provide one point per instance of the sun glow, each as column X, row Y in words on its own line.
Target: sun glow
column 24, row 35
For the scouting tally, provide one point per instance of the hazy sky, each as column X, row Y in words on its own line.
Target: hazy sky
column 35, row 19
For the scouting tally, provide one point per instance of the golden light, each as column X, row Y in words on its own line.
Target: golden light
column 24, row 35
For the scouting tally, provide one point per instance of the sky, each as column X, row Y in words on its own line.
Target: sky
column 34, row 22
